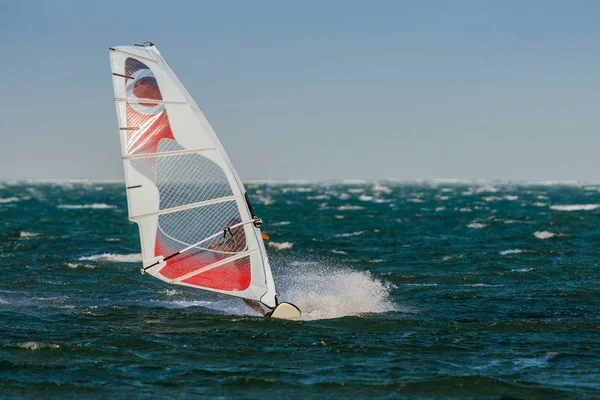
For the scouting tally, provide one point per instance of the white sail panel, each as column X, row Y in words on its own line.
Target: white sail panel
column 182, row 189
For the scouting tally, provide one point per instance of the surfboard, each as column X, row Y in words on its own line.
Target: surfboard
column 287, row 311
column 196, row 225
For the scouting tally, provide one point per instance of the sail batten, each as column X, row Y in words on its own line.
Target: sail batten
column 187, row 192
column 165, row 153
column 186, row 207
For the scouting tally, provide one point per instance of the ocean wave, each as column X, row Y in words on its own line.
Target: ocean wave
column 364, row 197
column 78, row 265
column 381, row 188
column 26, row 235
column 95, row 206
column 349, row 234
column 476, row 225
column 511, row 251
column 334, row 251
column 356, row 190
column 438, row 209
column 280, row 246
column 545, row 234
column 36, row 345
column 108, row 257
column 9, row 200
column 575, row 207
column 347, row 208
column 282, row 223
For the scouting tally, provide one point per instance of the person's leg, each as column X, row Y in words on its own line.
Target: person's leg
column 255, row 305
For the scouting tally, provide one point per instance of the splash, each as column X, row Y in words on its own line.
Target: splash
column 324, row 292
column 107, row 257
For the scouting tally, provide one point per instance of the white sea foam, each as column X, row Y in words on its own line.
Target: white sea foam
column 349, row 234
column 465, row 209
column 27, row 235
column 37, row 345
column 416, row 201
column 356, row 190
column 95, row 206
column 383, row 189
column 538, row 204
column 476, row 225
column 523, row 270
column 511, row 198
column 347, row 208
column 9, row 200
column 282, row 223
column 334, row 251
column 438, row 209
column 545, row 234
column 511, row 251
column 108, row 257
column 280, row 246
column 327, row 292
column 492, row 198
column 79, row 265
column 319, row 197
column 575, row 207
column 364, row 197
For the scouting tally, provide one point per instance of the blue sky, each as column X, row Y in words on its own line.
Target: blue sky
column 317, row 89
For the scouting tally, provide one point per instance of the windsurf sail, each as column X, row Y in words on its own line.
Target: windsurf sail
column 196, row 224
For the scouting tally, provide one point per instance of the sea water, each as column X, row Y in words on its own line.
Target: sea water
column 408, row 290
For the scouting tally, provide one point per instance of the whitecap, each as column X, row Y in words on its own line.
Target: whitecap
column 25, row 234
column 9, row 200
column 349, row 234
column 492, row 198
column 37, row 345
column 476, row 225
column 511, row 251
column 280, row 246
column 347, row 208
column 356, row 190
column 364, row 197
column 95, row 206
column 416, row 200
column 334, row 251
column 380, row 188
column 544, row 234
column 77, row 265
column 575, row 207
column 108, row 257
column 282, row 223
